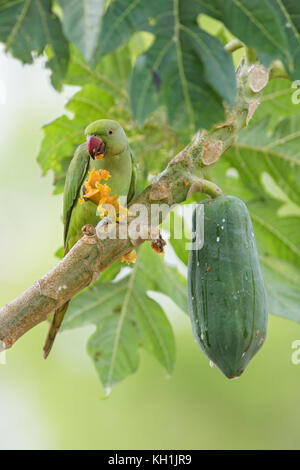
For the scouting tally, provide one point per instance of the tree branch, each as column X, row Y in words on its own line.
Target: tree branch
column 97, row 250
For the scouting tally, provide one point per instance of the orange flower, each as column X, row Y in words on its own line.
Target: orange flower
column 93, row 188
column 129, row 258
column 100, row 194
column 104, row 174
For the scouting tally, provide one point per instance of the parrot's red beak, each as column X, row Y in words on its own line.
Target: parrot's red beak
column 96, row 146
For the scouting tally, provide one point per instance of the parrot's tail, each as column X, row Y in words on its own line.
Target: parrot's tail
column 54, row 327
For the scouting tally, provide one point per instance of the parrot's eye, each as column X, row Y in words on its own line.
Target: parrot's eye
column 110, row 132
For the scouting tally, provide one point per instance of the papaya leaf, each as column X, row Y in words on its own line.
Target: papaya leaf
column 272, row 28
column 89, row 102
column 82, row 23
column 154, row 145
column 257, row 152
column 181, row 70
column 189, row 96
column 227, row 177
column 276, row 102
column 110, row 74
column 282, row 282
column 30, row 25
column 278, row 243
column 111, row 272
column 178, row 240
column 257, row 23
column 276, row 235
column 125, row 317
column 289, row 13
column 114, row 347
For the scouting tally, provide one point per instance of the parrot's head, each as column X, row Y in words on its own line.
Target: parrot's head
column 105, row 138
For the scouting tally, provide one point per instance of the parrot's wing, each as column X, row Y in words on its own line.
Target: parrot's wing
column 132, row 188
column 74, row 179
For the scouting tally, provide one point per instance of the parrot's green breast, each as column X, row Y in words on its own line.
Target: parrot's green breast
column 121, row 169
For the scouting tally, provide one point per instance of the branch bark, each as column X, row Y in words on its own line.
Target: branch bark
column 96, row 250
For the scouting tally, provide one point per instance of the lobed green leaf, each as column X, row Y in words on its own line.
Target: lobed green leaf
column 28, row 26
column 125, row 317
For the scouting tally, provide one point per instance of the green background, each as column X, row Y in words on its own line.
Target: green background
column 59, row 403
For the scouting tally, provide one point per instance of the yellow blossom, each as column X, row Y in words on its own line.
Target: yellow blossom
column 100, row 194
column 129, row 258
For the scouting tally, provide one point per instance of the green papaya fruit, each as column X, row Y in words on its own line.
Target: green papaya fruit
column 226, row 294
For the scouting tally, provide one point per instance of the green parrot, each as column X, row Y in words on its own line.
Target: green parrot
column 106, row 148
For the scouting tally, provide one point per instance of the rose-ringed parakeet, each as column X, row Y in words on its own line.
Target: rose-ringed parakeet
column 106, row 148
